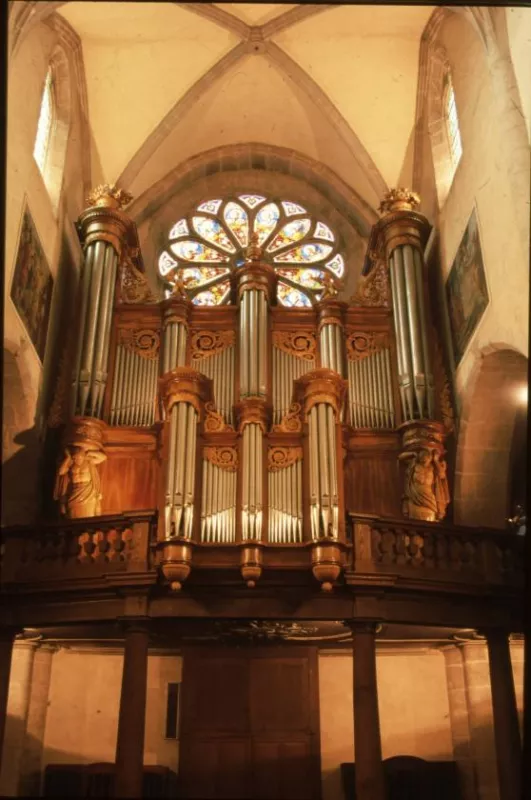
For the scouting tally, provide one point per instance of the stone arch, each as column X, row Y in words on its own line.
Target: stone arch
column 485, row 446
column 62, row 115
column 258, row 168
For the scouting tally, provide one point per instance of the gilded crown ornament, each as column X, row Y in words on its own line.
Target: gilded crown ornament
column 399, row 200
column 109, row 196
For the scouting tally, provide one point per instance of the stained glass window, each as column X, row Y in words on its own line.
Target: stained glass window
column 452, row 122
column 44, row 125
column 207, row 245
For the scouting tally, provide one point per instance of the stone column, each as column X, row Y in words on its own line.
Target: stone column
column 17, row 713
column 370, row 779
column 7, row 637
column 476, row 668
column 459, row 720
column 131, row 721
column 506, row 730
column 31, row 764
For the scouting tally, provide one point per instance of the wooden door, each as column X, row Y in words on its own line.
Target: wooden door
column 250, row 724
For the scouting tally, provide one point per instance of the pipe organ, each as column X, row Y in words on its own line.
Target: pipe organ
column 260, row 415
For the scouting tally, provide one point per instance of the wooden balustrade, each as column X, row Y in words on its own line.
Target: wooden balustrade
column 78, row 548
column 436, row 552
column 423, row 552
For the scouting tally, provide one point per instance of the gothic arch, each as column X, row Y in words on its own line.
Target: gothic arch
column 485, row 441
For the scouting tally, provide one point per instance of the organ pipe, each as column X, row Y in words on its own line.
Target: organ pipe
column 104, row 231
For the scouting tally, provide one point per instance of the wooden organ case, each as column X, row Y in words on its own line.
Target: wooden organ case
column 252, row 428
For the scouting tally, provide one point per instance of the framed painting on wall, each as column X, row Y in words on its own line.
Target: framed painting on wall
column 32, row 285
column 466, row 289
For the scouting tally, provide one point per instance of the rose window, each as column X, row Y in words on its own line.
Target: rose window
column 206, row 246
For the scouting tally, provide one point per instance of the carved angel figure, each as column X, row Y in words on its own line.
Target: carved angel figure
column 77, row 486
column 426, row 490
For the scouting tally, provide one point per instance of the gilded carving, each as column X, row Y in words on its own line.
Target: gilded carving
column 399, row 199
column 209, row 343
column 214, row 422
column 144, row 342
column 282, row 457
column 360, row 345
column 77, row 484
column 301, row 344
column 373, row 289
column 223, row 457
column 291, row 421
column 426, row 491
column 254, row 251
column 134, row 287
column 109, row 196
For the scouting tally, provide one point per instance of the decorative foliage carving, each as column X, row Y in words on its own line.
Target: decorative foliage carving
column 134, row 286
column 224, row 457
column 214, row 422
column 282, row 457
column 109, row 196
column 210, row 343
column 360, row 345
column 291, row 421
column 301, row 344
column 373, row 289
column 400, row 199
column 253, row 411
column 143, row 342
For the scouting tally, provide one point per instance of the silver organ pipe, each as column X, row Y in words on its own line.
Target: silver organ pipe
column 135, row 382
column 287, row 368
column 324, row 496
column 220, row 368
column 370, row 384
column 252, row 500
column 285, row 497
column 331, row 347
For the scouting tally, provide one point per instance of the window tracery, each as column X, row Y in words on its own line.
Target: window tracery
column 206, row 246
column 452, row 122
column 45, row 123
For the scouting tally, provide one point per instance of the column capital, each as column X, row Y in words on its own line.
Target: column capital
column 363, row 626
column 321, row 386
column 105, row 220
column 176, row 308
column 400, row 223
column 330, row 312
column 185, row 385
column 253, row 410
column 257, row 275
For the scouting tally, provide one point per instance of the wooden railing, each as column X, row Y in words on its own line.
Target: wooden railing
column 377, row 550
column 78, row 548
column 436, row 552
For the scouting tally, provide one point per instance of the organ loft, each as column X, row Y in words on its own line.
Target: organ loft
column 264, row 445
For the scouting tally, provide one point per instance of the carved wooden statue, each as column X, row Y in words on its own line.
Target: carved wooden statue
column 426, row 488
column 77, row 486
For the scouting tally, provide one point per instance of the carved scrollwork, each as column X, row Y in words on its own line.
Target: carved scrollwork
column 360, row 345
column 373, row 290
column 282, row 457
column 214, row 422
column 209, row 343
column 223, row 457
column 134, row 287
column 399, row 199
column 301, row 344
column 109, row 196
column 143, row 342
column 291, row 421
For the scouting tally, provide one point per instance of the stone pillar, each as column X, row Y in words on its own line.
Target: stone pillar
column 476, row 667
column 370, row 780
column 17, row 713
column 7, row 637
column 506, row 730
column 131, row 721
column 31, row 765
column 459, row 720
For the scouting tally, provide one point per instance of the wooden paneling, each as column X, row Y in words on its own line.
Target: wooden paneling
column 250, row 724
column 130, row 475
column 373, row 486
